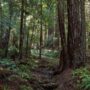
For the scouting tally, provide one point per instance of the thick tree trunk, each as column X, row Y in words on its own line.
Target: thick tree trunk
column 75, row 38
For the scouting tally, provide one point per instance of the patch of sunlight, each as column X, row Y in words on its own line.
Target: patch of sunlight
column 44, row 5
column 28, row 19
column 36, row 61
column 2, row 4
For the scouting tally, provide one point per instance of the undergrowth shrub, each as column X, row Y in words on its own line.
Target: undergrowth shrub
column 7, row 63
column 24, row 71
column 13, row 51
column 52, row 54
column 24, row 87
column 2, row 52
column 83, row 78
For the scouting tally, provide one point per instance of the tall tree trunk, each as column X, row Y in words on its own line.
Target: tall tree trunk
column 8, row 31
column 83, row 29
column 31, row 38
column 74, row 34
column 1, row 27
column 40, row 51
column 57, row 43
column 63, row 57
column 21, row 30
column 27, row 43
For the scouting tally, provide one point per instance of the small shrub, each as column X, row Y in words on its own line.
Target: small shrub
column 7, row 63
column 2, row 52
column 24, row 71
column 83, row 78
column 52, row 54
column 13, row 51
column 24, row 87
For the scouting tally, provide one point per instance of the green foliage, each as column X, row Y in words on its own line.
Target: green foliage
column 7, row 63
column 32, row 63
column 6, row 87
column 24, row 71
column 13, row 50
column 24, row 87
column 46, row 53
column 86, row 82
column 83, row 78
column 52, row 54
column 2, row 52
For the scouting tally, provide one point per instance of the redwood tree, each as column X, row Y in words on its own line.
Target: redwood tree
column 76, row 34
column 64, row 56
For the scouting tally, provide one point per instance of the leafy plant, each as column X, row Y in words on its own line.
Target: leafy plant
column 5, row 87
column 52, row 54
column 24, row 87
column 86, row 82
column 83, row 78
column 7, row 63
column 13, row 50
column 24, row 71
column 2, row 52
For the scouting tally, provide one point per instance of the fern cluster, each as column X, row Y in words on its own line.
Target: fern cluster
column 83, row 78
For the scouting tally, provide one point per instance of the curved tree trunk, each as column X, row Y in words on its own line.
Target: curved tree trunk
column 64, row 55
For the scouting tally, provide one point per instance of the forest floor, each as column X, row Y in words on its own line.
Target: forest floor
column 15, row 76
column 47, row 81
column 42, row 78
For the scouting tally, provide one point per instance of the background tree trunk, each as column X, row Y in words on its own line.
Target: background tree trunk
column 21, row 30
column 40, row 51
column 8, row 31
column 1, row 24
column 83, row 29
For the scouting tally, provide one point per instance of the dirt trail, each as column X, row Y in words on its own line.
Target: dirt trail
column 65, row 80
column 46, row 81
column 43, row 74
